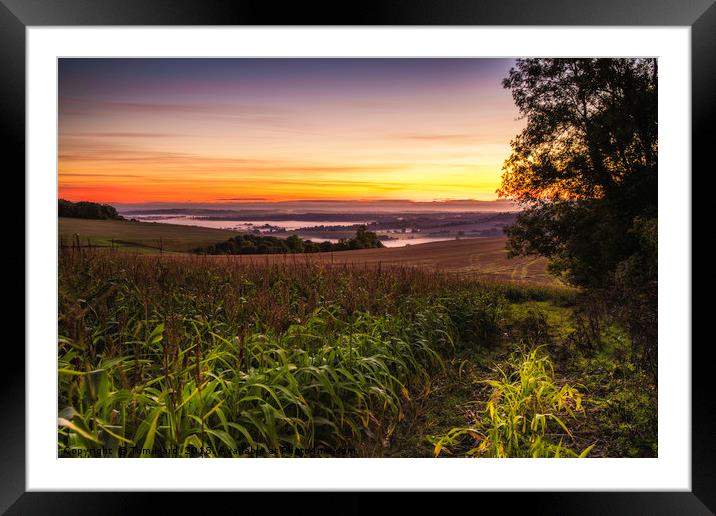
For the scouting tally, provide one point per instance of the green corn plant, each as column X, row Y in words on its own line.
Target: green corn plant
column 189, row 356
column 524, row 415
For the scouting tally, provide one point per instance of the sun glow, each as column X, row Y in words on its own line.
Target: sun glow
column 174, row 130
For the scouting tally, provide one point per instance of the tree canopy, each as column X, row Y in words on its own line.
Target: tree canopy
column 248, row 243
column 585, row 165
column 584, row 169
column 86, row 210
column 591, row 128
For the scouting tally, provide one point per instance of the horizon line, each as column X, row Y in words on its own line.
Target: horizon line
column 259, row 200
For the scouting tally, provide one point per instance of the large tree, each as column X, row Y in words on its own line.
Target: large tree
column 585, row 165
column 584, row 169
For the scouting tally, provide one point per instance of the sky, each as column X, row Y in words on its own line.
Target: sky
column 247, row 130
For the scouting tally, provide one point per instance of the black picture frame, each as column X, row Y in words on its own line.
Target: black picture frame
column 700, row 15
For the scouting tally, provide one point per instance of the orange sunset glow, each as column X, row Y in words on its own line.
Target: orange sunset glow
column 217, row 130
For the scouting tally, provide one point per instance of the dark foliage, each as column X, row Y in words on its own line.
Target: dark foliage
column 86, row 210
column 585, row 169
column 249, row 243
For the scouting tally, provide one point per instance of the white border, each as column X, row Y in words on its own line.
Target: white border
column 671, row 470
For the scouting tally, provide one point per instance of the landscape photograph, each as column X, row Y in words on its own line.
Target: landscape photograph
column 357, row 257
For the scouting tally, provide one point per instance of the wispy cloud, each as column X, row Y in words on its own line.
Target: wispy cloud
column 243, row 199
column 90, row 174
column 129, row 135
column 83, row 106
column 112, row 154
column 436, row 137
column 253, row 130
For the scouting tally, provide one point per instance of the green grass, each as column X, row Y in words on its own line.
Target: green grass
column 622, row 397
column 526, row 414
column 619, row 399
column 588, row 348
column 140, row 236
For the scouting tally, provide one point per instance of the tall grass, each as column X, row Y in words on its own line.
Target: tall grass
column 183, row 356
column 526, row 415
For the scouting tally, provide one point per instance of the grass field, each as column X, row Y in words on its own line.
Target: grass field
column 139, row 236
column 419, row 351
column 186, row 355
column 484, row 258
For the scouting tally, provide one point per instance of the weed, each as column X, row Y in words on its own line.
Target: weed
column 527, row 411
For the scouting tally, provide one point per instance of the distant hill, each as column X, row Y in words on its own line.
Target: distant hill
column 87, row 210
column 322, row 206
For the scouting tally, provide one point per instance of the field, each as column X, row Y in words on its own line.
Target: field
column 485, row 258
column 181, row 355
column 187, row 341
column 139, row 236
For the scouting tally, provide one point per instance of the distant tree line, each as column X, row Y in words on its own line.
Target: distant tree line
column 87, row 210
column 249, row 243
